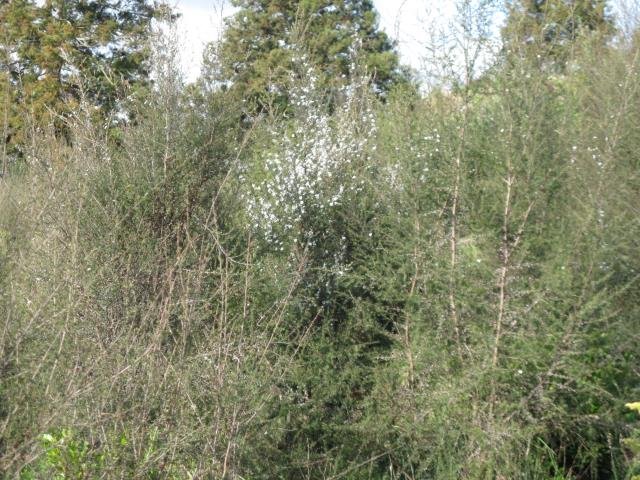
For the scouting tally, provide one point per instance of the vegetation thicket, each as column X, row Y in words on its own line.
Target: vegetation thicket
column 437, row 284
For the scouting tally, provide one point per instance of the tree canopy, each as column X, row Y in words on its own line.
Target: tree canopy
column 53, row 53
column 549, row 27
column 264, row 38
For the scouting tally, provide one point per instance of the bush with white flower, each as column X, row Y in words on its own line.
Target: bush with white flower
column 314, row 161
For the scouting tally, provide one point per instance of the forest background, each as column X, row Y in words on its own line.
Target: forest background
column 313, row 262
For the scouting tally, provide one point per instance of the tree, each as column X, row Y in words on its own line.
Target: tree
column 54, row 53
column 549, row 27
column 264, row 38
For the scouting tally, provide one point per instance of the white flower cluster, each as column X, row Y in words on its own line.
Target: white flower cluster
column 313, row 163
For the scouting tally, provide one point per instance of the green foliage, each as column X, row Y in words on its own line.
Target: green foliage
column 438, row 286
column 64, row 457
column 263, row 38
column 55, row 53
column 547, row 30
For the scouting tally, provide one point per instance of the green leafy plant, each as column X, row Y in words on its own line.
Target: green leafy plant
column 64, row 456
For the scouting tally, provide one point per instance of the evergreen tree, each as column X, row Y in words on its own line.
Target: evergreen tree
column 264, row 37
column 53, row 53
column 548, row 27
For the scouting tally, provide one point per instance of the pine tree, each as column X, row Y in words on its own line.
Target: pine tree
column 55, row 52
column 264, row 37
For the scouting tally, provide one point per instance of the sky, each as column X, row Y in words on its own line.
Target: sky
column 403, row 20
column 408, row 22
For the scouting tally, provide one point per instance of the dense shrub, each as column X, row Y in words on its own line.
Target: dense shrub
column 440, row 285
